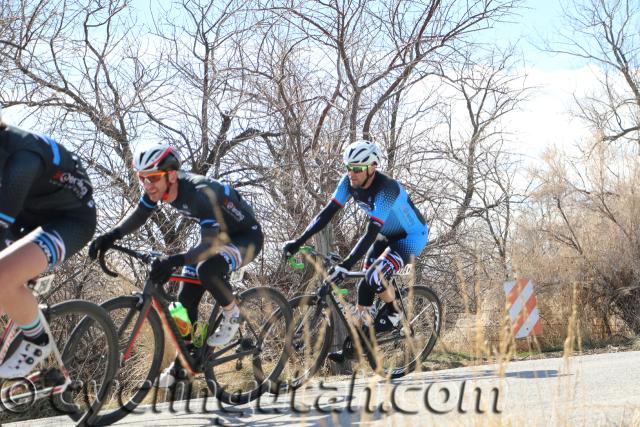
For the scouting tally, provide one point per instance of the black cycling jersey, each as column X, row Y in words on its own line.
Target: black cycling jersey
column 45, row 195
column 40, row 177
column 216, row 206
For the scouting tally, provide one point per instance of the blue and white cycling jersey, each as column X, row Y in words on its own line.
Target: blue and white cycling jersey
column 386, row 202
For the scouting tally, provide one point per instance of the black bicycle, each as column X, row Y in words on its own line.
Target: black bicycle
column 392, row 354
column 77, row 376
column 236, row 373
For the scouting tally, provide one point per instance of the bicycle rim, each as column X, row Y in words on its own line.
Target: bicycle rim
column 403, row 350
column 136, row 375
column 88, row 346
column 264, row 337
column 312, row 333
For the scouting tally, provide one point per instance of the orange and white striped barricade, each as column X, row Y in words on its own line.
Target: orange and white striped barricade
column 522, row 307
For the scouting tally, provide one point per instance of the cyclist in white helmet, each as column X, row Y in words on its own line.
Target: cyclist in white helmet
column 230, row 237
column 396, row 233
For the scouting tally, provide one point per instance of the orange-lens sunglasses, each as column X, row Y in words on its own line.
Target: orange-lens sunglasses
column 151, row 178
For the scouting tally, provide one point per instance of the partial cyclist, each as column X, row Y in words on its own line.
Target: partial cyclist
column 396, row 233
column 47, row 214
column 230, row 237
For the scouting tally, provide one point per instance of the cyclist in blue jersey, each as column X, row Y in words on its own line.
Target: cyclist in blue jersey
column 47, row 214
column 230, row 237
column 396, row 233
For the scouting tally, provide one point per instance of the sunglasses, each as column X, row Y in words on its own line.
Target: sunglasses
column 357, row 168
column 151, row 178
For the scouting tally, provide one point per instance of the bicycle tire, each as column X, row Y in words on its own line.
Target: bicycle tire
column 265, row 311
column 90, row 355
column 132, row 383
column 394, row 356
column 312, row 334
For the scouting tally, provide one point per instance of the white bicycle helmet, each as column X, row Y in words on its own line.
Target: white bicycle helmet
column 158, row 157
column 362, row 153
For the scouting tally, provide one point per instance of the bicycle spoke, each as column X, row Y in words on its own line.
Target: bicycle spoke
column 263, row 339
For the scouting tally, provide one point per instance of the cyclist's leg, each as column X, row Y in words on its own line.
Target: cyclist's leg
column 214, row 275
column 399, row 254
column 366, row 293
column 39, row 251
column 214, row 272
column 190, row 294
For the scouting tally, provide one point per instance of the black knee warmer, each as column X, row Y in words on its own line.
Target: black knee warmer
column 190, row 296
column 214, row 274
column 366, row 293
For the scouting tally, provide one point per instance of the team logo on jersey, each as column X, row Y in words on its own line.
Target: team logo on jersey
column 232, row 210
column 71, row 182
column 364, row 206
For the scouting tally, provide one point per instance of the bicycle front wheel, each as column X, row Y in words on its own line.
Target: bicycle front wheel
column 403, row 350
column 253, row 362
column 89, row 352
column 138, row 372
column 312, row 333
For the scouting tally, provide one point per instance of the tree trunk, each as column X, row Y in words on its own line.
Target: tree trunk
column 324, row 241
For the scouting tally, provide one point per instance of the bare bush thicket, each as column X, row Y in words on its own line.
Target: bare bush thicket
column 266, row 96
column 581, row 229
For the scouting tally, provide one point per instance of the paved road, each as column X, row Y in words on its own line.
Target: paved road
column 593, row 390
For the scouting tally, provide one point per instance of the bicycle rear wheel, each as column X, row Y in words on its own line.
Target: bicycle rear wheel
column 312, row 333
column 137, row 374
column 403, row 349
column 263, row 338
column 87, row 339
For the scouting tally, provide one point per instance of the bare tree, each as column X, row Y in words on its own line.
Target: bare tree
column 605, row 33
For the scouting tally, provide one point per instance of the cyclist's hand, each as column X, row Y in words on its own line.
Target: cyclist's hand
column 163, row 266
column 102, row 243
column 291, row 247
column 337, row 273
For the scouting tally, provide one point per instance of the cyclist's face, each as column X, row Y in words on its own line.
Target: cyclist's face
column 358, row 175
column 155, row 184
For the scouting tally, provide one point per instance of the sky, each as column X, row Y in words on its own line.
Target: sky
column 544, row 118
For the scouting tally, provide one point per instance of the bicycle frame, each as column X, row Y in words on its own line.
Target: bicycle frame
column 328, row 298
column 154, row 297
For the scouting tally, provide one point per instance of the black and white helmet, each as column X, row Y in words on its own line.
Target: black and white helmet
column 362, row 153
column 157, row 157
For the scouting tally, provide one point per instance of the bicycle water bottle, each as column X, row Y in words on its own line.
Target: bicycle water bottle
column 181, row 317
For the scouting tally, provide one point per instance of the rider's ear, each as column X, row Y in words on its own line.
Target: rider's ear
column 173, row 176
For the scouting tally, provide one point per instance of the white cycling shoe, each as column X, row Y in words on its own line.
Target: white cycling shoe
column 227, row 329
column 24, row 359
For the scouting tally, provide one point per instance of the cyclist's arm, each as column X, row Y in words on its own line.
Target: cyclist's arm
column 320, row 221
column 135, row 219
column 21, row 169
column 338, row 199
column 373, row 228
